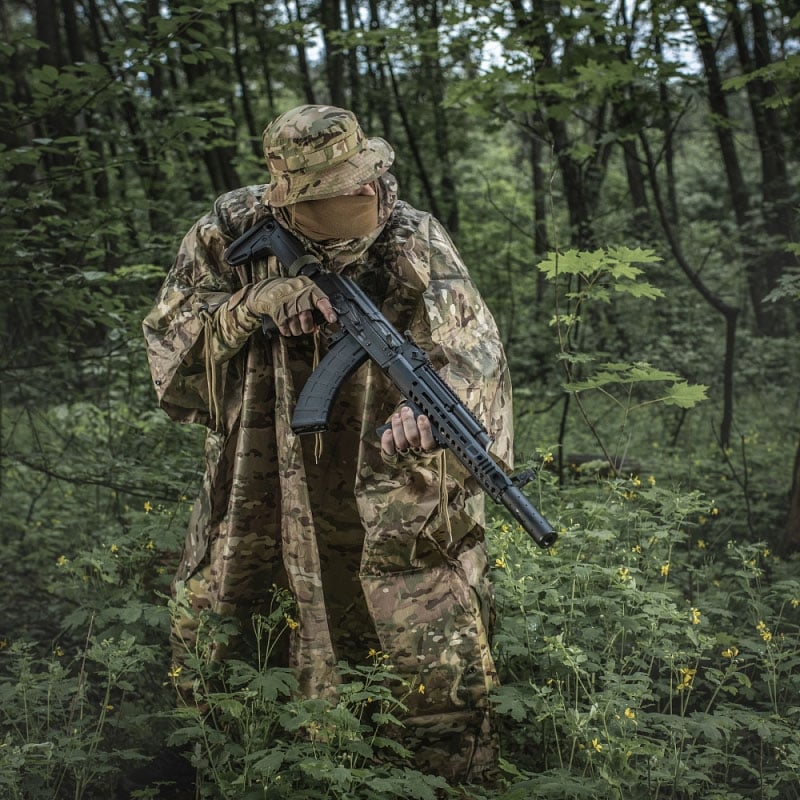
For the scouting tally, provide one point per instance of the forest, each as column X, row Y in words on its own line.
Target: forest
column 623, row 180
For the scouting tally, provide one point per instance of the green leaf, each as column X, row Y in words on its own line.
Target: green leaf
column 685, row 395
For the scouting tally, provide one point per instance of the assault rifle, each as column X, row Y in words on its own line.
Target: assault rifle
column 366, row 334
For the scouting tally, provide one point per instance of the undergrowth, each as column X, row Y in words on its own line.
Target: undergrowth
column 641, row 657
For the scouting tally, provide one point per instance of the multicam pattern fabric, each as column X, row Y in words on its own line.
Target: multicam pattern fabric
column 364, row 546
column 315, row 152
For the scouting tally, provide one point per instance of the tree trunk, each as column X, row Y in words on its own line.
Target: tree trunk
column 626, row 123
column 728, row 312
column 331, row 19
column 353, row 73
column 776, row 191
column 53, row 124
column 379, row 83
column 435, row 79
column 413, row 144
column 723, row 124
column 48, row 33
column 541, row 241
column 152, row 177
column 578, row 192
column 218, row 158
column 247, row 108
column 259, row 29
column 302, row 60
column 15, row 93
column 581, row 225
column 791, row 538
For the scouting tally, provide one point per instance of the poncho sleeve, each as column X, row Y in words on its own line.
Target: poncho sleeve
column 465, row 344
column 176, row 328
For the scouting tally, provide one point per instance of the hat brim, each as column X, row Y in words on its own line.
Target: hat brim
column 363, row 167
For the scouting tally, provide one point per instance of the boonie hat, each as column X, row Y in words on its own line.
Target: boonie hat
column 315, row 152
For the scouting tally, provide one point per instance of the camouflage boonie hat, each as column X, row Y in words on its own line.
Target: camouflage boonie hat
column 315, row 152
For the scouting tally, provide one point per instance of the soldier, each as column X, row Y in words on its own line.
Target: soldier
column 379, row 541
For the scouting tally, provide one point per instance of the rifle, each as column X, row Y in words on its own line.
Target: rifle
column 366, row 334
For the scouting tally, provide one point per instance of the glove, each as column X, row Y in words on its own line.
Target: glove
column 283, row 298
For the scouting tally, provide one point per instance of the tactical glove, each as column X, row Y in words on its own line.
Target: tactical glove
column 283, row 298
column 238, row 317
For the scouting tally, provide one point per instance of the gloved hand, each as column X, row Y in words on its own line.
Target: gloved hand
column 408, row 438
column 290, row 303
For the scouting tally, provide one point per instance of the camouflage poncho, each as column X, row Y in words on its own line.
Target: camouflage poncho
column 384, row 556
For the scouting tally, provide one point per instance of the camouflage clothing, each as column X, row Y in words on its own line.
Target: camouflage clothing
column 377, row 555
column 316, row 152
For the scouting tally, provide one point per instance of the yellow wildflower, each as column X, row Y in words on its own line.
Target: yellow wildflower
column 596, row 745
column 547, row 458
column 637, row 548
column 695, row 616
column 665, row 570
column 58, row 652
column 731, row 652
column 148, row 506
column 500, row 562
column 421, row 688
column 62, row 561
column 686, row 678
column 291, row 624
column 766, row 634
column 150, row 545
column 630, row 713
column 175, row 671
column 701, row 544
column 114, row 548
column 795, row 602
column 652, row 480
column 624, row 574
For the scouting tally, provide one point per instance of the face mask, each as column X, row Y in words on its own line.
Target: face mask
column 343, row 217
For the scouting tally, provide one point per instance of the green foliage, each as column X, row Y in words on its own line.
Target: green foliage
column 258, row 739
column 648, row 654
column 678, row 393
column 638, row 661
column 60, row 716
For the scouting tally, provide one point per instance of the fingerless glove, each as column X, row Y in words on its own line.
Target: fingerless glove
column 283, row 298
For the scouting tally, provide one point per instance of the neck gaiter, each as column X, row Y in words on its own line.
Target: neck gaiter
column 343, row 217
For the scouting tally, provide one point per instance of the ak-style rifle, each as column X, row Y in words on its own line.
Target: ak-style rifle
column 365, row 333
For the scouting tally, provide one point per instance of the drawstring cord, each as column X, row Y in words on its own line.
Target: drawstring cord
column 212, row 370
column 443, row 508
column 315, row 364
